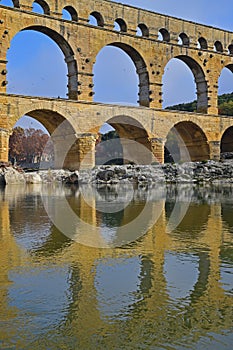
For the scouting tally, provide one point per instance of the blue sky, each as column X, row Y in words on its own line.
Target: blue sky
column 32, row 55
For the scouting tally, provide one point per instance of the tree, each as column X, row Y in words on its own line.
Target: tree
column 27, row 145
column 16, row 150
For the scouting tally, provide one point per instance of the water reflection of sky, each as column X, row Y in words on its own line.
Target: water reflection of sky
column 181, row 273
column 117, row 283
column 40, row 296
column 226, row 277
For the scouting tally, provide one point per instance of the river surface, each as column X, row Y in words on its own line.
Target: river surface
column 116, row 268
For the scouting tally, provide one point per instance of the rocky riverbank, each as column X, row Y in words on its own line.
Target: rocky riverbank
column 192, row 172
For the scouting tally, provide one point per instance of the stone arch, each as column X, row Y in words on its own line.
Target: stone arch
column 122, row 25
column 16, row 3
column 218, row 46
column 230, row 49
column 73, row 13
column 144, row 30
column 165, row 34
column 134, row 139
column 186, row 141
column 227, row 140
column 44, row 6
column 99, row 18
column 201, row 83
column 184, row 39
column 203, row 43
column 69, row 57
column 230, row 67
column 141, row 68
column 13, row 3
column 62, row 134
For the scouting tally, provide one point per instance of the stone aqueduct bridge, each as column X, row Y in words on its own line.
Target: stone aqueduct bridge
column 205, row 50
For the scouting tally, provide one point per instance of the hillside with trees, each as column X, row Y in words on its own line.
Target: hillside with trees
column 225, row 105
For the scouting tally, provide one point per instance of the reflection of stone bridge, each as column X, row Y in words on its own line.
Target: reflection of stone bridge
column 205, row 50
column 208, row 308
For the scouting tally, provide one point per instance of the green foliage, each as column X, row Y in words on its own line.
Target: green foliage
column 225, row 105
column 187, row 107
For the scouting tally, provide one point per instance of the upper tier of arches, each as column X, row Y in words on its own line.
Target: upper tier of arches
column 205, row 50
column 134, row 21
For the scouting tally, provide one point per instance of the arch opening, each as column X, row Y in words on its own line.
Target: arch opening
column 70, row 14
column 218, row 46
column 122, row 80
column 226, row 147
column 43, row 140
column 108, row 150
column 41, row 71
column 230, row 49
column 10, row 3
column 30, row 145
column 225, row 91
column 120, row 25
column 142, row 30
column 125, row 142
column 183, row 39
column 164, row 35
column 178, row 77
column 96, row 19
column 202, row 43
column 186, row 142
column 41, row 6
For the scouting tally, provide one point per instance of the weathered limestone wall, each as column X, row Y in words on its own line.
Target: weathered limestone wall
column 204, row 49
column 76, row 122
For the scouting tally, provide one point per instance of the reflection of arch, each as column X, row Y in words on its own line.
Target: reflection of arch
column 98, row 17
column 44, row 6
column 72, row 12
column 165, row 34
column 227, row 215
column 200, row 211
column 227, row 140
column 203, row 43
column 201, row 84
column 141, row 68
column 69, row 57
column 122, row 25
column 144, row 30
column 192, row 142
column 203, row 278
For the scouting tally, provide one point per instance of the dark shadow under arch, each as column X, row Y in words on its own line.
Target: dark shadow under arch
column 138, row 149
column 44, row 6
column 227, row 141
column 72, row 12
column 189, row 143
column 99, row 18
